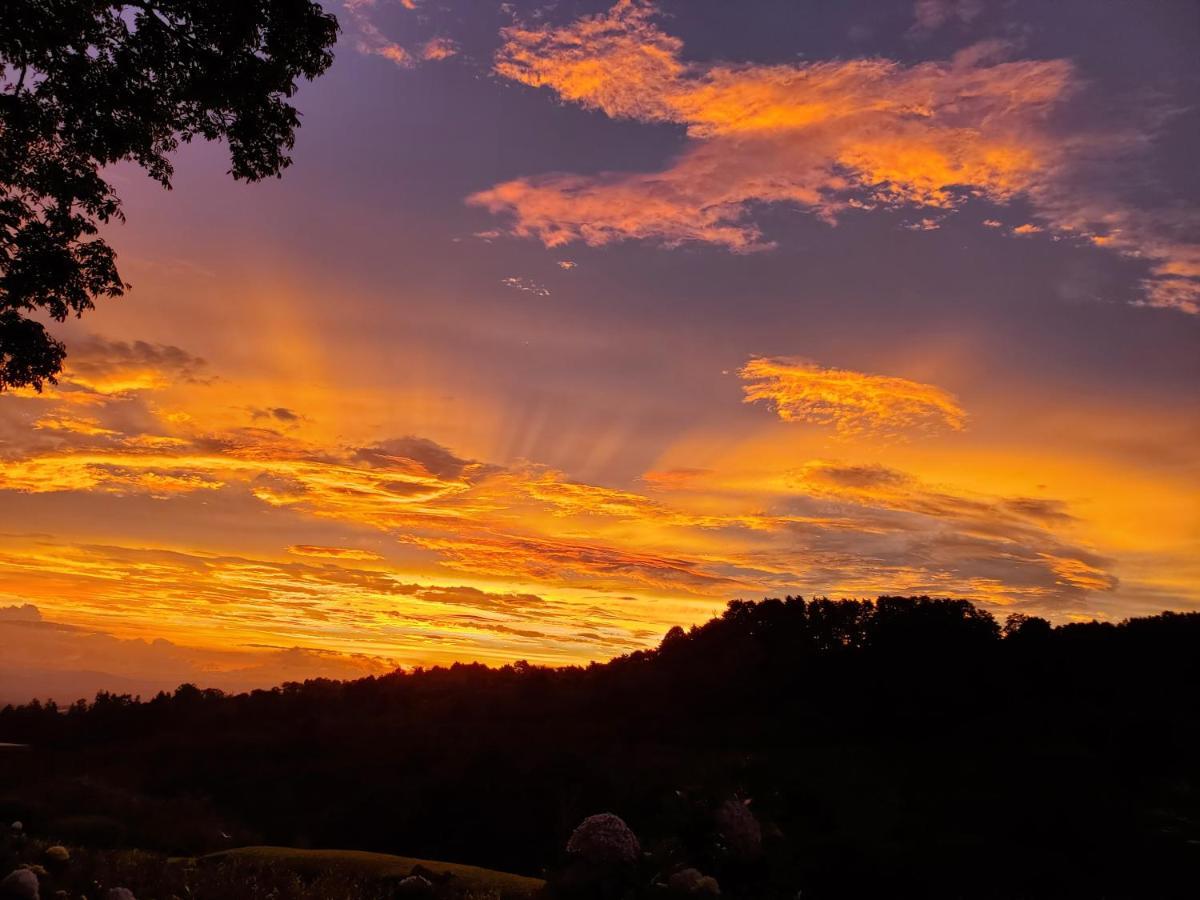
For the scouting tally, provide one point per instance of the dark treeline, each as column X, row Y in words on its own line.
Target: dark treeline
column 908, row 745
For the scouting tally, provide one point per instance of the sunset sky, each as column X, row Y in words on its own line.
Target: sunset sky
column 572, row 322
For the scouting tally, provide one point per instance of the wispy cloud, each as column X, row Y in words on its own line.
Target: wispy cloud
column 370, row 38
column 931, row 15
column 527, row 285
column 333, row 552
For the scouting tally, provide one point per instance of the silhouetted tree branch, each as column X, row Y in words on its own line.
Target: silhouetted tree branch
column 89, row 84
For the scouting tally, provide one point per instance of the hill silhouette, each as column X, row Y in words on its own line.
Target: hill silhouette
column 907, row 745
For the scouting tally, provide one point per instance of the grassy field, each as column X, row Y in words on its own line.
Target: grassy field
column 383, row 865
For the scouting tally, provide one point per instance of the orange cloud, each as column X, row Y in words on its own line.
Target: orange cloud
column 333, row 552
column 810, row 134
column 1162, row 239
column 439, row 48
column 851, row 402
column 372, row 41
column 119, row 367
column 74, row 424
column 674, row 479
column 825, row 136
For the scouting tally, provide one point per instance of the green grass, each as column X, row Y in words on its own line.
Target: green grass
column 383, row 865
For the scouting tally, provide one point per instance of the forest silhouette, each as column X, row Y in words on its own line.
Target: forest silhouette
column 907, row 745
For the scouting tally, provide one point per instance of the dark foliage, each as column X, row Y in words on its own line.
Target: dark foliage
column 904, row 747
column 89, row 83
column 91, row 873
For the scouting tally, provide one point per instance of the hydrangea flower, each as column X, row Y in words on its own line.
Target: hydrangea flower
column 20, row 884
column 739, row 830
column 604, row 839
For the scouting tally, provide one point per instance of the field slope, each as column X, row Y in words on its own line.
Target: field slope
column 384, row 865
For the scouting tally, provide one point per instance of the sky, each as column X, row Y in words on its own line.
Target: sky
column 572, row 322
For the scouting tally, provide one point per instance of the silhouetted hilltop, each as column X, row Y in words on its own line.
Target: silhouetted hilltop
column 907, row 743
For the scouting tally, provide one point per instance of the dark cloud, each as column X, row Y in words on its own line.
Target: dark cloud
column 433, row 457
column 1036, row 508
column 278, row 413
column 469, row 596
column 25, row 613
column 862, row 476
column 98, row 357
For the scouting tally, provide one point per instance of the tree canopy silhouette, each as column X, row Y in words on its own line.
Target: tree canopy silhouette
column 89, row 83
column 898, row 747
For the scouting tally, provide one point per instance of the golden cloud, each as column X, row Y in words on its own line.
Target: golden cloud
column 810, row 134
column 439, row 48
column 825, row 136
column 333, row 552
column 851, row 402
